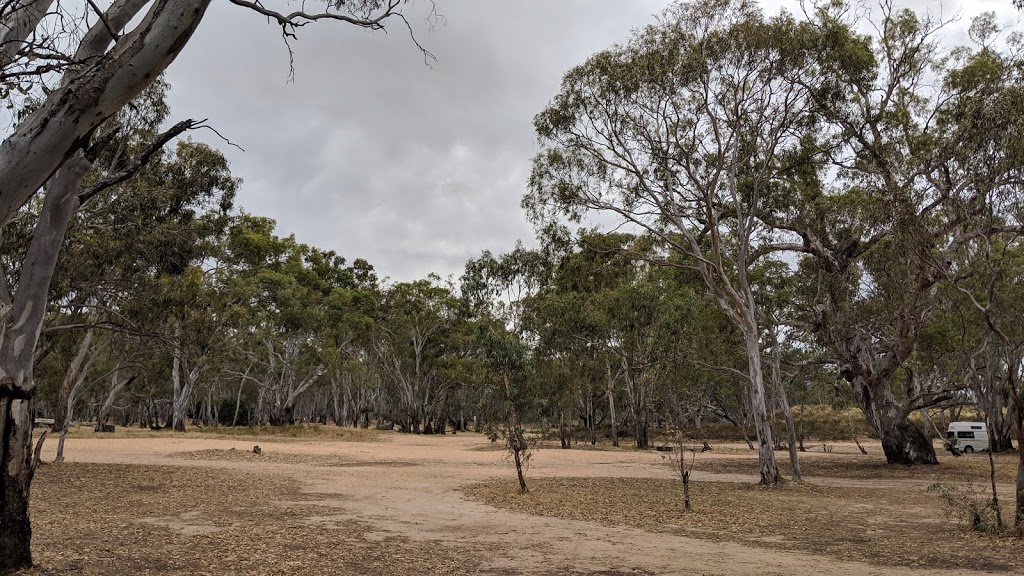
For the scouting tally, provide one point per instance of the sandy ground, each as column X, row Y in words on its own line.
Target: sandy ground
column 410, row 486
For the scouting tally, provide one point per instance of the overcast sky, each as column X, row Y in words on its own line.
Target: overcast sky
column 373, row 154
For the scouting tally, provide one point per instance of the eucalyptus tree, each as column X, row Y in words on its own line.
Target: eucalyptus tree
column 292, row 310
column 499, row 290
column 991, row 284
column 686, row 132
column 416, row 336
column 507, row 359
column 79, row 72
column 613, row 317
column 347, row 336
column 958, row 343
column 916, row 142
column 554, row 319
column 775, row 284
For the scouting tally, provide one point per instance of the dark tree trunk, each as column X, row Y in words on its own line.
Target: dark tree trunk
column 519, row 470
column 15, row 479
column 902, row 441
column 640, row 433
column 282, row 416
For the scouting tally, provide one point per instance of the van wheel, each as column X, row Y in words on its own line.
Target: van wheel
column 968, row 449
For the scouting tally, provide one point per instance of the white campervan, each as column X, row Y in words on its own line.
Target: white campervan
column 968, row 436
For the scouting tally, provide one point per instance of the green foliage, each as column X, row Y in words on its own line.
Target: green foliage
column 968, row 505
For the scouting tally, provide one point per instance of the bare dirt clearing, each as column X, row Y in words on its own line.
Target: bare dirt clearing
column 386, row 503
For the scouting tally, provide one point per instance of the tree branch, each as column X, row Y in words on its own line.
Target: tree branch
column 140, row 162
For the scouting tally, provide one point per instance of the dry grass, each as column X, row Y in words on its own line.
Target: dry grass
column 966, row 468
column 150, row 520
column 853, row 524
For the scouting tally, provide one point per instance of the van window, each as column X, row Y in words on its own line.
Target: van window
column 949, row 434
column 975, row 427
column 965, row 434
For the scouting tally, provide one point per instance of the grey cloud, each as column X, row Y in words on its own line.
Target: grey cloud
column 375, row 155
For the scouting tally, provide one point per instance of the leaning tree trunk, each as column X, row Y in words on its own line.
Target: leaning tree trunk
column 758, row 408
column 794, row 457
column 17, row 385
column 116, row 386
column 902, row 441
column 62, row 413
column 238, row 402
column 69, row 402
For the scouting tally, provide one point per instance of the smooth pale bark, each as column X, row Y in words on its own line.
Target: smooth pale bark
column 794, row 456
column 96, row 87
column 183, row 381
column 46, row 138
column 611, row 406
column 769, row 469
column 69, row 404
column 21, row 325
column 116, row 386
column 636, row 388
column 41, row 144
column 18, row 24
column 70, row 378
column 238, row 401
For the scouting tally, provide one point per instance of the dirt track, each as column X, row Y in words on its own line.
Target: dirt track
column 409, row 486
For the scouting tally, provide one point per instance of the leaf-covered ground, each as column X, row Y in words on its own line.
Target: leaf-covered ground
column 297, row 432
column 965, row 468
column 881, row 526
column 272, row 457
column 93, row 519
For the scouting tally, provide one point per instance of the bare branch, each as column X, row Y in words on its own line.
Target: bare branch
column 139, row 163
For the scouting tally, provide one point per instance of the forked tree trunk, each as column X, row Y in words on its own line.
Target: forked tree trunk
column 62, row 413
column 902, row 441
column 116, row 386
column 69, row 403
